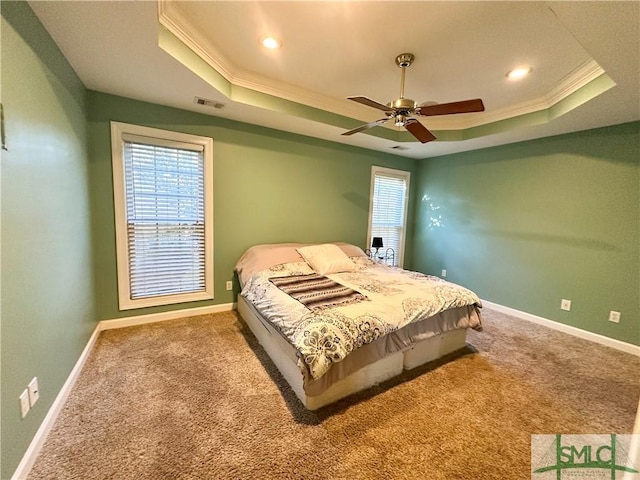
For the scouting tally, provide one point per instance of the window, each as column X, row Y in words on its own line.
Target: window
column 163, row 196
column 388, row 209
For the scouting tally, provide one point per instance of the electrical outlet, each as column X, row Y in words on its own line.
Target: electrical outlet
column 229, row 285
column 565, row 305
column 34, row 393
column 444, row 273
column 24, row 403
column 614, row 316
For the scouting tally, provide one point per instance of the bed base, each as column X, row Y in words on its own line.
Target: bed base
column 283, row 356
column 433, row 348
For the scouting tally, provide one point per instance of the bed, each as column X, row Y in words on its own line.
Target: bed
column 334, row 322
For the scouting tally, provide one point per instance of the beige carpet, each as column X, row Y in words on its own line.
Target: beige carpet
column 199, row 399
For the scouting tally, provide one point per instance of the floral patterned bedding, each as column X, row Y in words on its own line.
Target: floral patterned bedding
column 395, row 298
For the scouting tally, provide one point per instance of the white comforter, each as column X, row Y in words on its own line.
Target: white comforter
column 395, row 298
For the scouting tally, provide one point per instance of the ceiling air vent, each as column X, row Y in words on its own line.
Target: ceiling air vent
column 208, row 103
column 399, row 147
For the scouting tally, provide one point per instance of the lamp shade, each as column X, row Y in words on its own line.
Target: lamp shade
column 377, row 242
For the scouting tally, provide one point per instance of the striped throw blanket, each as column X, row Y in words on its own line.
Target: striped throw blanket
column 316, row 291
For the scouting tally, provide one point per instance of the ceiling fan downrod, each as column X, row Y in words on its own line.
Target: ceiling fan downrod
column 404, row 60
column 403, row 105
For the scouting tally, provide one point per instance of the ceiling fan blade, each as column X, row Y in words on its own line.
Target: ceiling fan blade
column 419, row 131
column 365, row 127
column 371, row 103
column 465, row 106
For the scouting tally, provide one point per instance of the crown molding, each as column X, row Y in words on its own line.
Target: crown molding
column 173, row 19
column 176, row 22
column 574, row 81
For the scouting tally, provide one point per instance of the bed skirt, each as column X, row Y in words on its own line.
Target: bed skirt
column 353, row 374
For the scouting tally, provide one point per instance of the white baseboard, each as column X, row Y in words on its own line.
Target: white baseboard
column 163, row 316
column 576, row 332
column 29, row 458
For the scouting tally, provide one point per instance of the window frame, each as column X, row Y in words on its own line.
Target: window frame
column 118, row 131
column 406, row 176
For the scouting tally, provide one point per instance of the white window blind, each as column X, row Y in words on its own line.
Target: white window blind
column 388, row 210
column 165, row 219
column 164, row 216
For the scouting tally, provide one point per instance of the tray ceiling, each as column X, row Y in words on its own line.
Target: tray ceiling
column 584, row 58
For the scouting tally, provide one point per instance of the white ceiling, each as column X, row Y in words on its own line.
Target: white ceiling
column 332, row 50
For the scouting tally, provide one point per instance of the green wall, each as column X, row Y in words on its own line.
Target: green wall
column 269, row 187
column 528, row 224
column 47, row 299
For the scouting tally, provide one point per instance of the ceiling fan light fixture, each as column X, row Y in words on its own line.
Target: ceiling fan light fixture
column 270, row 42
column 401, row 120
column 518, row 73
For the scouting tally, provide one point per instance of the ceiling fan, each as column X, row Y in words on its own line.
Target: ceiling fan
column 402, row 109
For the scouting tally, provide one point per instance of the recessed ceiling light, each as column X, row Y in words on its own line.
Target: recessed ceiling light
column 518, row 73
column 270, row 42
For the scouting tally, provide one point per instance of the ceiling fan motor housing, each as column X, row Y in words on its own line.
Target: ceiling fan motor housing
column 403, row 105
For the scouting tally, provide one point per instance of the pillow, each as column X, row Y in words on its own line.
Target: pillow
column 259, row 257
column 326, row 258
column 350, row 250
